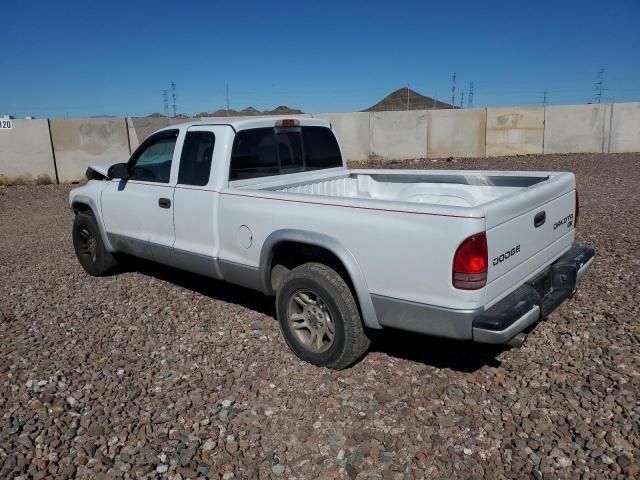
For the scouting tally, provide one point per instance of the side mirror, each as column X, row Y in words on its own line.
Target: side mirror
column 119, row 170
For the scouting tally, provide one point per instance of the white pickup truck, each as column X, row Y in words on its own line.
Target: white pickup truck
column 269, row 203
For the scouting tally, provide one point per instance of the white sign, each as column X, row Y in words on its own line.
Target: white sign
column 5, row 124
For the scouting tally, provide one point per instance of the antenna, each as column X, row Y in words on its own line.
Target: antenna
column 173, row 95
column 598, row 87
column 470, row 101
column 227, row 99
column 453, row 90
column 165, row 101
column 462, row 99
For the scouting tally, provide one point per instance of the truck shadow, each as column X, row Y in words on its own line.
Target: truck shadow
column 437, row 352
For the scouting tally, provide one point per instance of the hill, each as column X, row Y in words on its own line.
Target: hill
column 407, row 99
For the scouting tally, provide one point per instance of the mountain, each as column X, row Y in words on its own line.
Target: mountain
column 407, row 99
column 250, row 112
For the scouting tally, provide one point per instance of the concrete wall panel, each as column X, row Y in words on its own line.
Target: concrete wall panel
column 25, row 151
column 574, row 128
column 141, row 127
column 353, row 132
column 515, row 131
column 80, row 143
column 457, row 133
column 624, row 135
column 399, row 135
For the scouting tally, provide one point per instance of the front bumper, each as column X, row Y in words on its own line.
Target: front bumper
column 534, row 300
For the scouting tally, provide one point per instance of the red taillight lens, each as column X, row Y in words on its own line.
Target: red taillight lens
column 470, row 263
column 575, row 220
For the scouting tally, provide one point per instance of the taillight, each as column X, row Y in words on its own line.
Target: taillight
column 575, row 220
column 470, row 263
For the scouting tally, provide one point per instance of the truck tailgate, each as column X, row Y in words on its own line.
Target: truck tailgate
column 526, row 231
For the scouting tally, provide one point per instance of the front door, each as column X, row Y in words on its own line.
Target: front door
column 138, row 211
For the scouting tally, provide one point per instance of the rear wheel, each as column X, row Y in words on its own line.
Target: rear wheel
column 319, row 317
column 89, row 247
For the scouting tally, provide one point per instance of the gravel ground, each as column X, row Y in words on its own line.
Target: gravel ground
column 159, row 373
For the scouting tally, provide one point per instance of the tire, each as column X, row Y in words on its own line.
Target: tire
column 315, row 302
column 89, row 247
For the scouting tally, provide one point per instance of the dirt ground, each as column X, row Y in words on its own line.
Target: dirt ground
column 161, row 373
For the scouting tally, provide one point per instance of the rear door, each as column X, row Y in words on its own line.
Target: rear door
column 138, row 212
column 528, row 230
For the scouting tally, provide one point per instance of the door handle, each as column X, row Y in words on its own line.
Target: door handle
column 539, row 219
column 164, row 203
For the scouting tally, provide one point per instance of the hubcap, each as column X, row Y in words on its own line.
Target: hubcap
column 88, row 244
column 310, row 321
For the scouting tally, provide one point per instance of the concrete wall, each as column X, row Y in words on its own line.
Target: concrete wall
column 80, row 143
column 353, row 131
column 514, row 131
column 28, row 150
column 625, row 128
column 141, row 127
column 399, row 135
column 25, row 151
column 574, row 129
column 457, row 133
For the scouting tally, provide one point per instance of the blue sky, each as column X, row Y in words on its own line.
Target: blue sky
column 75, row 59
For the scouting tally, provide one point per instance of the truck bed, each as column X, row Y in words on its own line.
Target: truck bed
column 506, row 203
column 454, row 189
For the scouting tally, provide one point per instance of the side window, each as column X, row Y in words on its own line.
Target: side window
column 254, row 154
column 153, row 164
column 195, row 160
column 320, row 148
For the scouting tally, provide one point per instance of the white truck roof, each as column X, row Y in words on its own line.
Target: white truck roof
column 242, row 123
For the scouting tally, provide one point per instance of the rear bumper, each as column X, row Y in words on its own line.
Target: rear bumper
column 534, row 300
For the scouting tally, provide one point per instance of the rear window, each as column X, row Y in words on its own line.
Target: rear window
column 264, row 152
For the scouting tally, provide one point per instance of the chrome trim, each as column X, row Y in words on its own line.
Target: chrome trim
column 583, row 270
column 424, row 318
column 503, row 336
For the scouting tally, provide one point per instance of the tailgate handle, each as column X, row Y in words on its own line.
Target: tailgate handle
column 540, row 218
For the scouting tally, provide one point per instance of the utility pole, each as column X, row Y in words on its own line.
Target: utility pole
column 453, row 90
column 470, row 101
column 173, row 95
column 462, row 99
column 545, row 98
column 227, row 99
column 407, row 96
column 165, row 101
column 598, row 87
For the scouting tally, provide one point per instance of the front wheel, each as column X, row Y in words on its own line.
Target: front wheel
column 319, row 317
column 89, row 247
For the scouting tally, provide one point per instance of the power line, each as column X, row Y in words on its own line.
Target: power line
column 407, row 96
column 173, row 95
column 453, row 89
column 165, row 101
column 470, row 101
column 545, row 97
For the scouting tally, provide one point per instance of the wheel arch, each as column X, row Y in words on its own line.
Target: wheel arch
column 329, row 244
column 84, row 204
